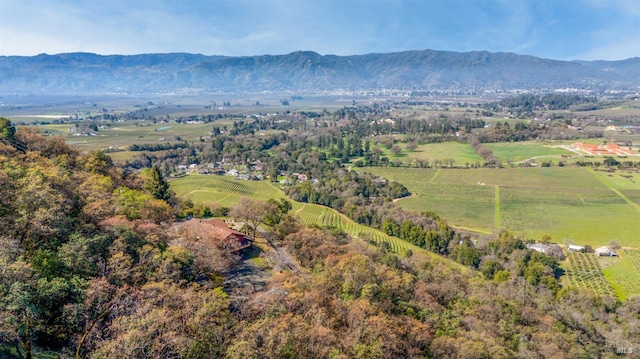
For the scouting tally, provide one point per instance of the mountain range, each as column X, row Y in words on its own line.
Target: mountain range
column 86, row 73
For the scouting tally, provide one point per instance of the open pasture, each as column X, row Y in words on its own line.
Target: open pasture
column 570, row 204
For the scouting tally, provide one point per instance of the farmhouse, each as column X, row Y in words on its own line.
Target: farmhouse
column 605, row 251
column 224, row 232
column 575, row 248
column 539, row 247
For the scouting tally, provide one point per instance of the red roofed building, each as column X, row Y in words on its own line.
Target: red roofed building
column 224, row 232
column 608, row 149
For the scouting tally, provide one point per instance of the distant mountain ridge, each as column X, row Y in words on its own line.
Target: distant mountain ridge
column 87, row 73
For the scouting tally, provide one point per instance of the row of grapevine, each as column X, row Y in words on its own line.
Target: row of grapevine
column 585, row 272
column 630, row 283
column 633, row 255
column 311, row 214
column 250, row 189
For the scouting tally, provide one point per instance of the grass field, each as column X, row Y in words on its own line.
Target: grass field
column 459, row 152
column 624, row 273
column 220, row 190
column 513, row 152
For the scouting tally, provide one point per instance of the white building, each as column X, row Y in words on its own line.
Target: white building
column 542, row 248
column 605, row 251
column 575, row 248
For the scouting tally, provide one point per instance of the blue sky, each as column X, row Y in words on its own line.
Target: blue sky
column 556, row 29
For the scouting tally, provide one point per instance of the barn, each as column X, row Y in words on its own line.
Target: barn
column 605, row 251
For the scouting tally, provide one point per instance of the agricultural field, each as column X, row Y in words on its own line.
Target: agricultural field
column 311, row 214
column 509, row 153
column 584, row 272
column 570, row 204
column 121, row 135
column 213, row 190
column 514, row 152
column 460, row 153
column 624, row 273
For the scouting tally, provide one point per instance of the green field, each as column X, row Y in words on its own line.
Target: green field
column 508, row 153
column 223, row 190
column 514, row 152
column 461, row 153
column 214, row 190
column 121, row 135
column 570, row 204
column 624, row 273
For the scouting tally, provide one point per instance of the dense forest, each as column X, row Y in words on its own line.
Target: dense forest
column 95, row 263
column 528, row 103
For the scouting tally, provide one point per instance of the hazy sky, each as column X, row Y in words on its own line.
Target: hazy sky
column 557, row 29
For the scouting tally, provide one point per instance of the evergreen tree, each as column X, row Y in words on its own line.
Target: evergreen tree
column 7, row 134
column 7, row 131
column 156, row 186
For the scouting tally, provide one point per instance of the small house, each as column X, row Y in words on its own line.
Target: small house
column 224, row 232
column 605, row 251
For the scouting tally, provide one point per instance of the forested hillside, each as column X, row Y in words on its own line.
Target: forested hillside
column 424, row 70
column 93, row 265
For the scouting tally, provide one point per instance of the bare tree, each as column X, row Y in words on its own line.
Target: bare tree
column 250, row 211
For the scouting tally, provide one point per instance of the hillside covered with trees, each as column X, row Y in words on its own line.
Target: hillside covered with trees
column 94, row 264
column 424, row 70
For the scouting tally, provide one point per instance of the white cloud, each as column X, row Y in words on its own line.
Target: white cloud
column 623, row 48
column 343, row 27
column 628, row 7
